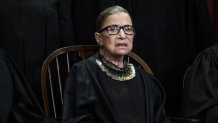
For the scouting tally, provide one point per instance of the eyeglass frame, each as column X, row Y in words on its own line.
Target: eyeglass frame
column 120, row 27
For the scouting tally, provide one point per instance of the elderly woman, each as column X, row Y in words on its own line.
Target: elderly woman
column 106, row 88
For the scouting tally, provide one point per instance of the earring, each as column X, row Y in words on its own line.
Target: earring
column 100, row 45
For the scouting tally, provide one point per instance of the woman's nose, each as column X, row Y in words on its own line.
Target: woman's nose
column 122, row 34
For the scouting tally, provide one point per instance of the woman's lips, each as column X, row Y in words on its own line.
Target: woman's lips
column 121, row 44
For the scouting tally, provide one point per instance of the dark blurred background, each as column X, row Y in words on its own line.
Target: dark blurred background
column 169, row 34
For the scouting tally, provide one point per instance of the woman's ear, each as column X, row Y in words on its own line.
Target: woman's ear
column 97, row 37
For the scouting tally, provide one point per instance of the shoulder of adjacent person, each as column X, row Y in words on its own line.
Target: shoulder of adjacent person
column 211, row 52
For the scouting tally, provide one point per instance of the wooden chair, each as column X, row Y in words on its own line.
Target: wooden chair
column 54, row 73
column 56, row 68
column 184, row 120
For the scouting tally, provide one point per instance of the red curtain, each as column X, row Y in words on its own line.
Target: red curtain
column 213, row 11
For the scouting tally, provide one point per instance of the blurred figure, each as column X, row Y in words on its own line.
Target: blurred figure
column 30, row 30
column 200, row 97
column 18, row 104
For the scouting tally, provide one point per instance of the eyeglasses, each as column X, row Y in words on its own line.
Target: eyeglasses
column 115, row 29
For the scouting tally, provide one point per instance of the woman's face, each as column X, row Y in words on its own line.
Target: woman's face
column 116, row 44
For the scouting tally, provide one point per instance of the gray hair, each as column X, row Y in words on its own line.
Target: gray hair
column 107, row 12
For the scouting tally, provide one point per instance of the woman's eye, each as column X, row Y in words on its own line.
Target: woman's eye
column 128, row 29
column 113, row 29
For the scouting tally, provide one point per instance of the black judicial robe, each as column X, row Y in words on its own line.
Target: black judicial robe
column 92, row 97
column 18, row 104
column 201, row 87
column 30, row 30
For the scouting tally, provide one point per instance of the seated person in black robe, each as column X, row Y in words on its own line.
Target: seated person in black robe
column 18, row 104
column 200, row 98
column 106, row 88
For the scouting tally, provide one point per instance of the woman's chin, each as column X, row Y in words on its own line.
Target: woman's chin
column 122, row 52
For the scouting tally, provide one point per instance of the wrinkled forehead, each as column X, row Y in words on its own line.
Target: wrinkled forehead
column 119, row 18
